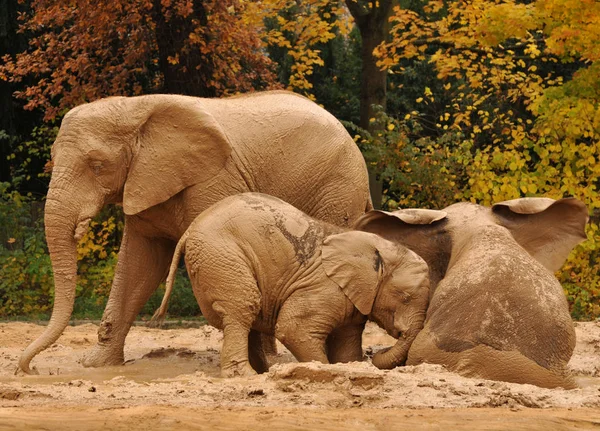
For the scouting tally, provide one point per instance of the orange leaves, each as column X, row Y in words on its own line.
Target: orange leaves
column 111, row 47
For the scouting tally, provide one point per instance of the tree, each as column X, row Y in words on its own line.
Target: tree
column 81, row 51
column 522, row 83
column 372, row 19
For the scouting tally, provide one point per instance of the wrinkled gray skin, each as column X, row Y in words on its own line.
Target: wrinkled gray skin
column 259, row 265
column 496, row 309
column 166, row 158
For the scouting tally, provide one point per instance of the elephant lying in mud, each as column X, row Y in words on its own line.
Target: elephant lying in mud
column 259, row 265
column 496, row 310
column 166, row 158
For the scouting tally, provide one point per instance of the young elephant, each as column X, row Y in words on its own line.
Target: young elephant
column 259, row 265
column 496, row 310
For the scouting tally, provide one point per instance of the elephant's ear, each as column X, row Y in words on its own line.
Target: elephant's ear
column 353, row 262
column 179, row 145
column 546, row 228
column 411, row 216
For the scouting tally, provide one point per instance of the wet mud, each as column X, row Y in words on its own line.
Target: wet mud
column 171, row 378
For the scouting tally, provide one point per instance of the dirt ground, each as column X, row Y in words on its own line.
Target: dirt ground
column 171, row 380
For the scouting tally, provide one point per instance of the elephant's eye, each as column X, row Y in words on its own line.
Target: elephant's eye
column 405, row 298
column 96, row 167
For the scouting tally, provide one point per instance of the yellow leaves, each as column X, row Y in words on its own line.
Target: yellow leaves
column 532, row 50
column 95, row 242
column 301, row 26
column 419, row 100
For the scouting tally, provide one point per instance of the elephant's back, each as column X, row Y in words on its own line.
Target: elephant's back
column 257, row 218
column 506, row 301
column 276, row 241
column 289, row 147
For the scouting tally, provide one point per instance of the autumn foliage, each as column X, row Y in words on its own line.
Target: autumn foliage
column 487, row 100
column 81, row 51
column 519, row 88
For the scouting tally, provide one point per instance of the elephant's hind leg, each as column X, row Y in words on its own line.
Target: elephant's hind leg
column 485, row 362
column 237, row 313
column 235, row 354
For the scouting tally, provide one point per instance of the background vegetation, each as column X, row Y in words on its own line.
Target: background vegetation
column 449, row 100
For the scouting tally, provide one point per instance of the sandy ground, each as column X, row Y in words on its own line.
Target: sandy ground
column 171, row 380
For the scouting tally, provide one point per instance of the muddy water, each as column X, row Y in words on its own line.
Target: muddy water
column 158, row 365
column 171, row 380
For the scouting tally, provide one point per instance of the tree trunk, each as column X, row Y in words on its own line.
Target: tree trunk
column 10, row 43
column 192, row 73
column 372, row 20
column 373, row 24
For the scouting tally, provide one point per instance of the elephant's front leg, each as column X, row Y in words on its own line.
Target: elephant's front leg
column 303, row 332
column 142, row 265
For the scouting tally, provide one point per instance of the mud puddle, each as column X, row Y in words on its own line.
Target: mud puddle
column 156, row 365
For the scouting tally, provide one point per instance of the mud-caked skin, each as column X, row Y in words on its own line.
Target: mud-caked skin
column 259, row 265
column 496, row 310
column 166, row 158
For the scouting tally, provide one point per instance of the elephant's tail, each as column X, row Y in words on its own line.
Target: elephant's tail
column 160, row 313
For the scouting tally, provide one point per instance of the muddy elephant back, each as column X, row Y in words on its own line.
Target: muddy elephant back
column 519, row 307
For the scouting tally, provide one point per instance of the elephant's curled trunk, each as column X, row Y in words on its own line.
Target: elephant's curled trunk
column 396, row 355
column 62, row 243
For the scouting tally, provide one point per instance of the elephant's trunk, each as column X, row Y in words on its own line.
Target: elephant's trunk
column 396, row 355
column 62, row 234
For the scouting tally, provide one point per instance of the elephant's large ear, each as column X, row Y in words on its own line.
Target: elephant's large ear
column 179, row 145
column 421, row 230
column 546, row 228
column 354, row 263
column 412, row 216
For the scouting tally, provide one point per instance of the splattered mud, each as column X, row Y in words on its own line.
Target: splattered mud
column 171, row 379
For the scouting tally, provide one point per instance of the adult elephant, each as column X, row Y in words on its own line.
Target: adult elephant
column 166, row 158
column 496, row 310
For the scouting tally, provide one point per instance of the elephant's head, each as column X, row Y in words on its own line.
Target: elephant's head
column 138, row 152
column 385, row 281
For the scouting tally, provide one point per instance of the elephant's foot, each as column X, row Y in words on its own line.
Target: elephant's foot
column 108, row 351
column 103, row 356
column 237, row 369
